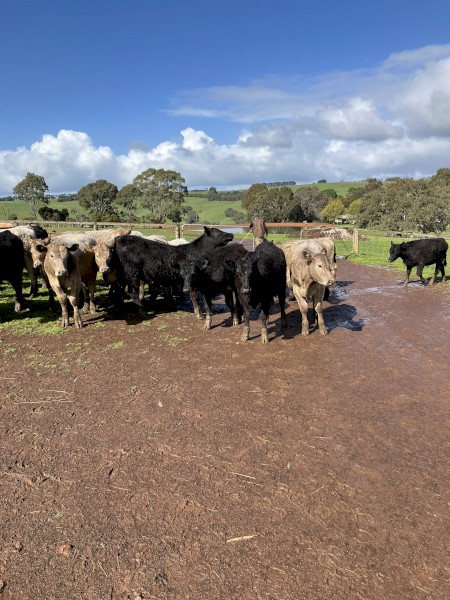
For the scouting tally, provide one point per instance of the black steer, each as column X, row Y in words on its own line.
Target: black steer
column 421, row 253
column 212, row 275
column 159, row 264
column 260, row 276
column 12, row 263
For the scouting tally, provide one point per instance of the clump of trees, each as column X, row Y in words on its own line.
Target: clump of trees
column 235, row 215
column 281, row 205
column 233, row 196
column 408, row 204
column 53, row 214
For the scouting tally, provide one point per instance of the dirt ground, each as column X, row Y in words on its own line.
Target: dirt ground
column 153, row 459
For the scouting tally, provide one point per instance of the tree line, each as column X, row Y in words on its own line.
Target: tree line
column 401, row 204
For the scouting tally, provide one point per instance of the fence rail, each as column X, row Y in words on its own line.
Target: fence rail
column 369, row 245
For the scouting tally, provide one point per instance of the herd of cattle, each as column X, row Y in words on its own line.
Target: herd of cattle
column 210, row 265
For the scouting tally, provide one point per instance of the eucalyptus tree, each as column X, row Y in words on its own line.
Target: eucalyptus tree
column 162, row 194
column 31, row 190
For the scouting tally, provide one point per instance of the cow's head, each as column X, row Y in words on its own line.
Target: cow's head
column 219, row 237
column 103, row 255
column 395, row 251
column 58, row 257
column 244, row 267
column 320, row 268
column 189, row 271
column 38, row 250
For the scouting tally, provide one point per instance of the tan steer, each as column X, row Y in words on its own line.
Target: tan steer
column 68, row 267
column 311, row 272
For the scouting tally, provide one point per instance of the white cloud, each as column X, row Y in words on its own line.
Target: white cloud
column 393, row 120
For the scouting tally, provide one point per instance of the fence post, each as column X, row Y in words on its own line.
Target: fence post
column 355, row 241
column 177, row 231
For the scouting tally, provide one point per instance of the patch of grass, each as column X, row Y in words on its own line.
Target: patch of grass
column 115, row 345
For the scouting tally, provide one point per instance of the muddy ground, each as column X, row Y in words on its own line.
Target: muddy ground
column 157, row 460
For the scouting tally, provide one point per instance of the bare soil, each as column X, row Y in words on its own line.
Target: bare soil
column 153, row 459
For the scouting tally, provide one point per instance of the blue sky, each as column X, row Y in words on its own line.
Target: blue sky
column 227, row 93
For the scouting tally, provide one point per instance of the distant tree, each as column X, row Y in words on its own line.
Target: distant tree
column 278, row 204
column 353, row 193
column 322, row 181
column 31, row 190
column 65, row 197
column 332, row 210
column 97, row 198
column 163, row 194
column 128, row 199
column 353, row 208
column 296, row 214
column 312, row 201
column 212, row 194
column 330, row 192
column 235, row 215
column 254, row 198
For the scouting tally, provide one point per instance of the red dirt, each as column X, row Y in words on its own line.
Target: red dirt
column 157, row 460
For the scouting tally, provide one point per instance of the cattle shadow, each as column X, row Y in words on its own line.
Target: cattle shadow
column 336, row 313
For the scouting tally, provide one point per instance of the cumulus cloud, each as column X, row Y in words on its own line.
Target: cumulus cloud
column 392, row 120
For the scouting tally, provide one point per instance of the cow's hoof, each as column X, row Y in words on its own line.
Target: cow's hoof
column 264, row 338
column 207, row 324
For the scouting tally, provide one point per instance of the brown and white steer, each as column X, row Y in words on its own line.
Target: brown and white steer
column 69, row 267
column 311, row 272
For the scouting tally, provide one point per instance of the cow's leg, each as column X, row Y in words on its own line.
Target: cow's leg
column 16, row 283
column 264, row 316
column 238, row 311
column 420, row 267
column 32, row 272
column 318, row 308
column 51, row 293
column 74, row 299
column 208, row 307
column 246, row 315
column 436, row 271
column 408, row 273
column 229, row 301
column 303, row 305
column 133, row 281
column 282, row 302
column 193, row 295
column 442, row 271
column 91, row 288
column 62, row 299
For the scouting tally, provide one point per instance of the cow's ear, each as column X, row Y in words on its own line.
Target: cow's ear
column 73, row 247
column 207, row 230
column 205, row 263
